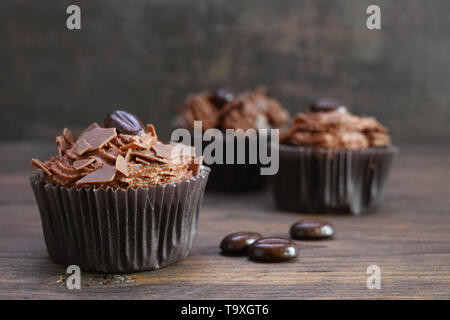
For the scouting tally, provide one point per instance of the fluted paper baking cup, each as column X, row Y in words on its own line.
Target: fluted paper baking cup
column 121, row 230
column 320, row 180
column 234, row 177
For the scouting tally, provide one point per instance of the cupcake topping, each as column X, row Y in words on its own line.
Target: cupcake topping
column 220, row 110
column 124, row 122
column 327, row 104
column 104, row 157
column 327, row 124
column 221, row 96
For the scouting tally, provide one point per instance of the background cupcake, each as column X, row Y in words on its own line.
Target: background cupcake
column 332, row 161
column 118, row 200
column 222, row 110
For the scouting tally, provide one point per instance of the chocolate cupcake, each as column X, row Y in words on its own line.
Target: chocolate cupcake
column 332, row 161
column 118, row 200
column 222, row 110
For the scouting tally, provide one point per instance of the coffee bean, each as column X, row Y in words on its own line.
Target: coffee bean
column 273, row 250
column 124, row 122
column 221, row 96
column 311, row 229
column 238, row 242
column 326, row 104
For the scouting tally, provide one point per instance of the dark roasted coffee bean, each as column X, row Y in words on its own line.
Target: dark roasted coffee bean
column 124, row 122
column 326, row 104
column 221, row 96
column 273, row 250
column 311, row 229
column 238, row 242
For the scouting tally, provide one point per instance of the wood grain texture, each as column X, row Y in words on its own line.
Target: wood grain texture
column 408, row 237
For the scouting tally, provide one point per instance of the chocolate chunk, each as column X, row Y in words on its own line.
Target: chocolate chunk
column 62, row 143
column 326, row 105
column 82, row 146
column 273, row 250
column 98, row 137
column 149, row 156
column 311, row 229
column 122, row 165
column 238, row 242
column 199, row 107
column 196, row 165
column 183, row 150
column 92, row 126
column 133, row 145
column 151, row 130
column 124, row 122
column 221, row 96
column 163, row 150
column 148, row 139
column 102, row 175
column 137, row 159
column 68, row 135
column 80, row 164
column 39, row 164
column 128, row 155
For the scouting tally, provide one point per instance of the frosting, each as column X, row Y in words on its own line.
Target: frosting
column 101, row 157
column 251, row 109
column 337, row 129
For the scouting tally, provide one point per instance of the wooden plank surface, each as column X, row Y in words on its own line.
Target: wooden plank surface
column 408, row 237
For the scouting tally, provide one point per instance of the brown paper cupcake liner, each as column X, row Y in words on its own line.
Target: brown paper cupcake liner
column 123, row 230
column 312, row 180
column 234, row 177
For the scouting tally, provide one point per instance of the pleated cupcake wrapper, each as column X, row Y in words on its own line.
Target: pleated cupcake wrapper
column 123, row 230
column 327, row 181
column 234, row 177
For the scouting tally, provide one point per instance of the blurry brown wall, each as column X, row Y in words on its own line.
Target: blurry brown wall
column 146, row 56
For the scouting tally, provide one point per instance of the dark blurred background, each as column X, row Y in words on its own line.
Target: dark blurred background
column 145, row 56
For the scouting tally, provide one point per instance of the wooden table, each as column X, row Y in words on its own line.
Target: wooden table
column 408, row 237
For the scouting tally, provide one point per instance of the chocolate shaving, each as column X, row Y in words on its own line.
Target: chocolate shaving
column 196, row 165
column 183, row 150
column 117, row 142
column 102, row 175
column 163, row 150
column 134, row 145
column 58, row 170
column 82, row 146
column 98, row 154
column 108, row 155
column 150, row 157
column 62, row 143
column 92, row 126
column 148, row 140
column 142, row 161
column 98, row 137
column 68, row 136
column 79, row 164
column 122, row 165
column 152, row 131
column 128, row 155
column 39, row 164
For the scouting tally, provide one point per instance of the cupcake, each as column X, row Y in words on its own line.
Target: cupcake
column 116, row 199
column 222, row 110
column 332, row 161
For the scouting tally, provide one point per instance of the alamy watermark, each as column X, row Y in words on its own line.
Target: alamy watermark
column 74, row 280
column 252, row 146
column 73, row 21
column 374, row 280
column 373, row 22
